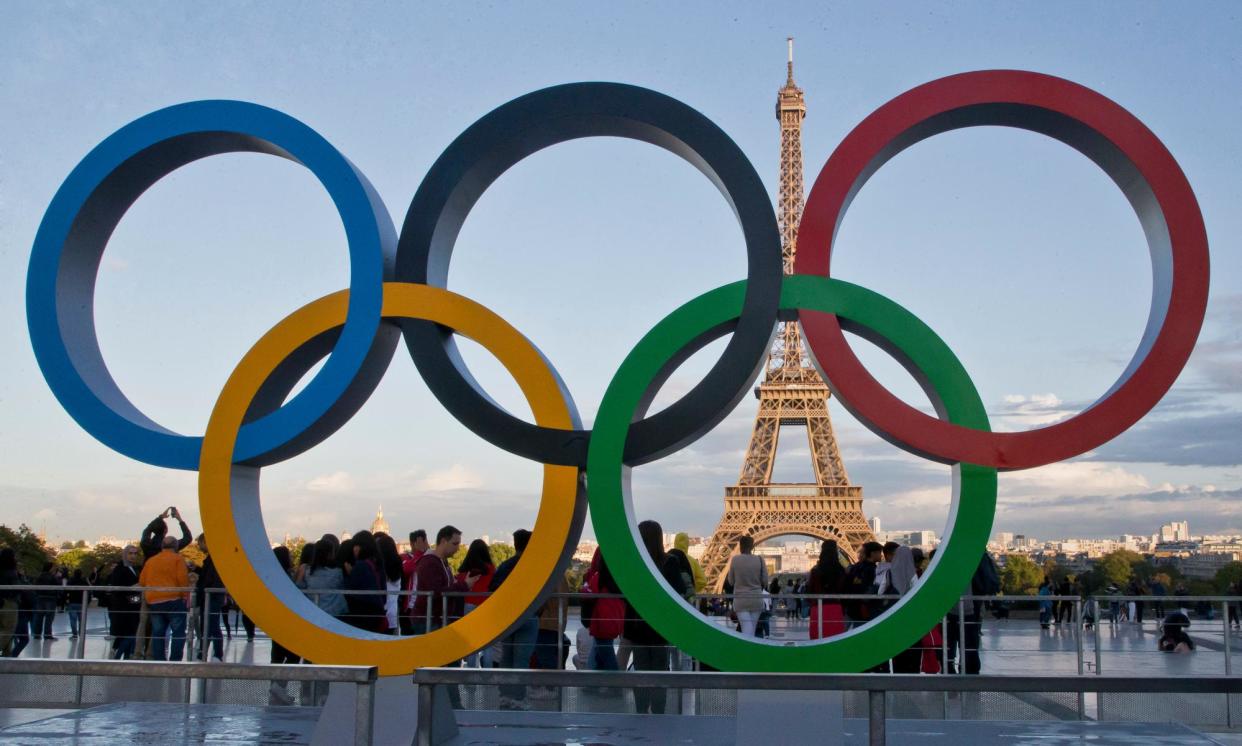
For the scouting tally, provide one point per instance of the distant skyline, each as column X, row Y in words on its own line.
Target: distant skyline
column 1022, row 255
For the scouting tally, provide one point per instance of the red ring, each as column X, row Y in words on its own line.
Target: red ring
column 1116, row 141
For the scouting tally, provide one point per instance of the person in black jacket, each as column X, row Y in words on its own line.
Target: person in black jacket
column 25, row 611
column 210, row 592
column 152, row 542
column 45, row 602
column 516, row 649
column 124, row 606
column 651, row 650
column 860, row 578
column 9, row 597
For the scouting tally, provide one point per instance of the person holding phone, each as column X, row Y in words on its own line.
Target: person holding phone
column 152, row 542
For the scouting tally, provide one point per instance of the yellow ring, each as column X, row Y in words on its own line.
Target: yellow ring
column 229, row 496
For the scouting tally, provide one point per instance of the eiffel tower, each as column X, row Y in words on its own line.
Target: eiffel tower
column 792, row 393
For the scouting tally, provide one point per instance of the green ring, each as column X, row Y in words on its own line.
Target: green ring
column 612, row 510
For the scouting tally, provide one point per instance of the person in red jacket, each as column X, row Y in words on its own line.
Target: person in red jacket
column 409, row 560
column 478, row 560
column 432, row 577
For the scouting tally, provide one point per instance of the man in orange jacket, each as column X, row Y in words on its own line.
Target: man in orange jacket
column 166, row 609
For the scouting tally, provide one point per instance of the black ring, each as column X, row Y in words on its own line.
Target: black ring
column 533, row 122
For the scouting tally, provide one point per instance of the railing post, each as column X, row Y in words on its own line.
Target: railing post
column 1224, row 623
column 1099, row 695
column 562, row 624
column 82, row 613
column 204, row 641
column 79, row 651
column 875, row 717
column 961, row 637
column 204, row 644
column 944, row 659
column 422, row 733
column 1082, row 696
column 819, row 618
column 364, row 712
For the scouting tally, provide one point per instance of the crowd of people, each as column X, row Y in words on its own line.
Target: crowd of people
column 156, row 601
column 835, row 596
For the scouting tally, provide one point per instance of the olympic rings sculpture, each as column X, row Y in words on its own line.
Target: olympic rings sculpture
column 397, row 290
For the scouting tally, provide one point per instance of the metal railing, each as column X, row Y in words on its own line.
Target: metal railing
column 362, row 677
column 1088, row 617
column 429, row 681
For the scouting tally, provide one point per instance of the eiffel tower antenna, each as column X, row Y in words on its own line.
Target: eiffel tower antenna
column 792, row 393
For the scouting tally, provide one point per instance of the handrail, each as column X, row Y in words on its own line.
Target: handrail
column 827, row 682
column 186, row 670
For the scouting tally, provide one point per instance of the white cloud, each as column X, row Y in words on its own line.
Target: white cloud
column 337, row 481
column 1023, row 411
column 456, row 477
column 1071, row 478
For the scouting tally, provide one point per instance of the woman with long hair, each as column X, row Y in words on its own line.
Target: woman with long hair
column 651, row 650
column 604, row 629
column 391, row 564
column 366, row 610
column 323, row 577
column 478, row 561
column 281, row 654
column 305, row 558
column 367, row 574
column 827, row 578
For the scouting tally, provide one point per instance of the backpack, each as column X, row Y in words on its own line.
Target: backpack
column 608, row 618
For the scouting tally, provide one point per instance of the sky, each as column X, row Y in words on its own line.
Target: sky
column 1019, row 252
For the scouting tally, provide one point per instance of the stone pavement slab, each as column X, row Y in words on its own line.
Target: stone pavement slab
column 152, row 723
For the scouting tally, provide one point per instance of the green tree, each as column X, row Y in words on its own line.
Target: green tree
column 573, row 576
column 457, row 558
column 100, row 557
column 1202, row 588
column 500, row 552
column 1227, row 576
column 74, row 559
column 1055, row 571
column 32, row 552
column 1117, row 566
column 1020, row 576
column 294, row 545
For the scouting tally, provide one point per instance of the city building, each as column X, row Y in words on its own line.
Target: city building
column 1175, row 531
column 379, row 525
column 586, row 550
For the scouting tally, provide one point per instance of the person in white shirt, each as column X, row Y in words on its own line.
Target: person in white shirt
column 748, row 576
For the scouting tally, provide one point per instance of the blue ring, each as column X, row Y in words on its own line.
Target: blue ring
column 64, row 262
